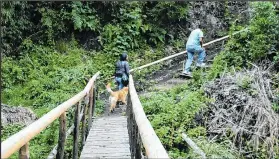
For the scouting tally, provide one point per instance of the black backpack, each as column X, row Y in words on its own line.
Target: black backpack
column 119, row 72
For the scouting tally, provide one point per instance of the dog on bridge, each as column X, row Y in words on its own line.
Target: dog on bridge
column 117, row 96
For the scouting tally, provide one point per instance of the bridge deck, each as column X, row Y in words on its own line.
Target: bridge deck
column 108, row 138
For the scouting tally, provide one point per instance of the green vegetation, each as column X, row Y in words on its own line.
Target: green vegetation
column 51, row 49
column 261, row 39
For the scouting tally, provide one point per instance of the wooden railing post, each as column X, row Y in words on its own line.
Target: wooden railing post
column 97, row 92
column 24, row 152
column 83, row 124
column 94, row 100
column 90, row 109
column 62, row 136
column 76, row 131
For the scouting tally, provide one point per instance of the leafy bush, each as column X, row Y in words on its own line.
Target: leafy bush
column 259, row 41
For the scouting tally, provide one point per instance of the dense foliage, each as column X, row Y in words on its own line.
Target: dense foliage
column 259, row 41
column 112, row 27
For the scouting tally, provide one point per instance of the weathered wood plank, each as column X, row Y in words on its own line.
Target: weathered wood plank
column 108, row 138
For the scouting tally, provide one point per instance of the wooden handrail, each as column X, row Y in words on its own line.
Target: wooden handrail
column 183, row 52
column 151, row 142
column 16, row 141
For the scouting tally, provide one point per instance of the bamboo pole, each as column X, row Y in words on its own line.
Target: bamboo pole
column 24, row 152
column 16, row 141
column 62, row 136
column 151, row 142
column 193, row 145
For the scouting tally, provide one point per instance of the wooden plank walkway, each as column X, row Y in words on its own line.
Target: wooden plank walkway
column 108, row 138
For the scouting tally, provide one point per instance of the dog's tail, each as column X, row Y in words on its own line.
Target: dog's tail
column 108, row 88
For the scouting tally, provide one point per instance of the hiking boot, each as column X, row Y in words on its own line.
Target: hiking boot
column 187, row 73
column 201, row 65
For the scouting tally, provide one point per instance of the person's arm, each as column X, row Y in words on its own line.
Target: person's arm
column 201, row 38
column 201, row 41
column 127, row 68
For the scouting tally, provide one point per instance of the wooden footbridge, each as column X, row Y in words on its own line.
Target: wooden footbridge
column 118, row 136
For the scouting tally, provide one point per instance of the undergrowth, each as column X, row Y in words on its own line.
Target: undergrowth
column 175, row 111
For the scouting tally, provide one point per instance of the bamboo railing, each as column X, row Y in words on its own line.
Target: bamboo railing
column 140, row 130
column 20, row 141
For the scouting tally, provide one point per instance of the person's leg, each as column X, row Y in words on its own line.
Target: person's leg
column 189, row 60
column 201, row 55
column 119, row 82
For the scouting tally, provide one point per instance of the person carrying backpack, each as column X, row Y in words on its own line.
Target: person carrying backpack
column 122, row 71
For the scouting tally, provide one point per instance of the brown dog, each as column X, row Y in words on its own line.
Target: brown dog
column 116, row 96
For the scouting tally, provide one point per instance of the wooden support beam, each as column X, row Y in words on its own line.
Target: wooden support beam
column 62, row 136
column 90, row 109
column 24, row 152
column 76, row 131
column 83, row 125
column 94, row 100
column 53, row 153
